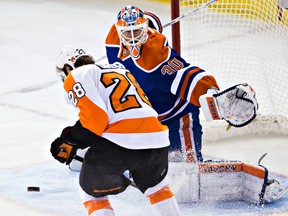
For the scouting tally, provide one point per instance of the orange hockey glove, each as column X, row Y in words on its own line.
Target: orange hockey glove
column 63, row 152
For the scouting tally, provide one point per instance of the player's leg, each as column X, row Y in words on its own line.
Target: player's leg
column 162, row 199
column 151, row 179
column 102, row 175
column 99, row 206
column 185, row 136
column 102, row 170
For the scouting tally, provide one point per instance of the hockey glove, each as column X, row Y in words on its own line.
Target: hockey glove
column 66, row 133
column 237, row 105
column 63, row 152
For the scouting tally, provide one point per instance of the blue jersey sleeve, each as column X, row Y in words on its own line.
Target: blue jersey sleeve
column 153, row 21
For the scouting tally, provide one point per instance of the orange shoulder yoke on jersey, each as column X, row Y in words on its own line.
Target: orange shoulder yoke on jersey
column 154, row 51
column 112, row 37
column 201, row 87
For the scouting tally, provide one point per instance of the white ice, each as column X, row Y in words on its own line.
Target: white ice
column 33, row 113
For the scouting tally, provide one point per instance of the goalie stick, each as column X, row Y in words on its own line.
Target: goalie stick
column 48, row 84
column 281, row 194
column 78, row 158
column 261, row 158
column 189, row 13
column 282, row 190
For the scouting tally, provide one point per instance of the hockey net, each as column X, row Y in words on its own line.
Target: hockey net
column 242, row 41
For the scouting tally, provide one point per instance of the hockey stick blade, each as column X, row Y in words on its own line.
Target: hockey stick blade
column 281, row 194
column 261, row 158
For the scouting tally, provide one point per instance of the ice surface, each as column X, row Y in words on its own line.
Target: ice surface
column 33, row 113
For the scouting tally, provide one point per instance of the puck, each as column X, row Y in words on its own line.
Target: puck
column 33, row 189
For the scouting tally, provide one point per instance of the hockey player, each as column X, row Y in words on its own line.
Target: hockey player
column 121, row 129
column 172, row 85
column 176, row 91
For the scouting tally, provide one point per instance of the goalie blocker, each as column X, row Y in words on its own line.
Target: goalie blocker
column 237, row 105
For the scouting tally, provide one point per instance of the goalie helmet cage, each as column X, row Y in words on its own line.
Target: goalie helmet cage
column 239, row 41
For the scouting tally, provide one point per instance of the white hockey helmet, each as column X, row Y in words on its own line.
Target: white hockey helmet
column 68, row 56
column 132, row 28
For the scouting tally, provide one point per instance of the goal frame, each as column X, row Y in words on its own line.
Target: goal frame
column 276, row 124
column 175, row 12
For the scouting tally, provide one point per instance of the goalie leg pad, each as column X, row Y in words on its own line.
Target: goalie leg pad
column 223, row 180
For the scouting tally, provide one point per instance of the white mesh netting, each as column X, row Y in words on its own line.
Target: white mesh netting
column 242, row 41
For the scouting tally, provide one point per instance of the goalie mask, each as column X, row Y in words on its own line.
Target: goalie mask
column 132, row 29
column 68, row 57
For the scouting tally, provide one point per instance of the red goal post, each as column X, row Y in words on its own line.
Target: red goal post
column 240, row 41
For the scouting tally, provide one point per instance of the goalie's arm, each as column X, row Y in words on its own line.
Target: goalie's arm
column 209, row 107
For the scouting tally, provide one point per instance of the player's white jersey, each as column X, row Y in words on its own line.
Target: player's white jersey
column 112, row 105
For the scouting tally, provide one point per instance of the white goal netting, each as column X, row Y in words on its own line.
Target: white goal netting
column 242, row 41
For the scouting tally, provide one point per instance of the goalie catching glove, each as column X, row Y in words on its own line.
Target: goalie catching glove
column 237, row 105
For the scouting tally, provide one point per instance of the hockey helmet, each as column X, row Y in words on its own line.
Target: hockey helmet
column 68, row 56
column 132, row 29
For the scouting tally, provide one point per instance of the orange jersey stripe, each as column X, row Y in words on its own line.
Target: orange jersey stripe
column 91, row 116
column 154, row 52
column 201, row 87
column 187, row 138
column 161, row 195
column 112, row 37
column 94, row 205
column 186, row 81
column 136, row 125
column 176, row 107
